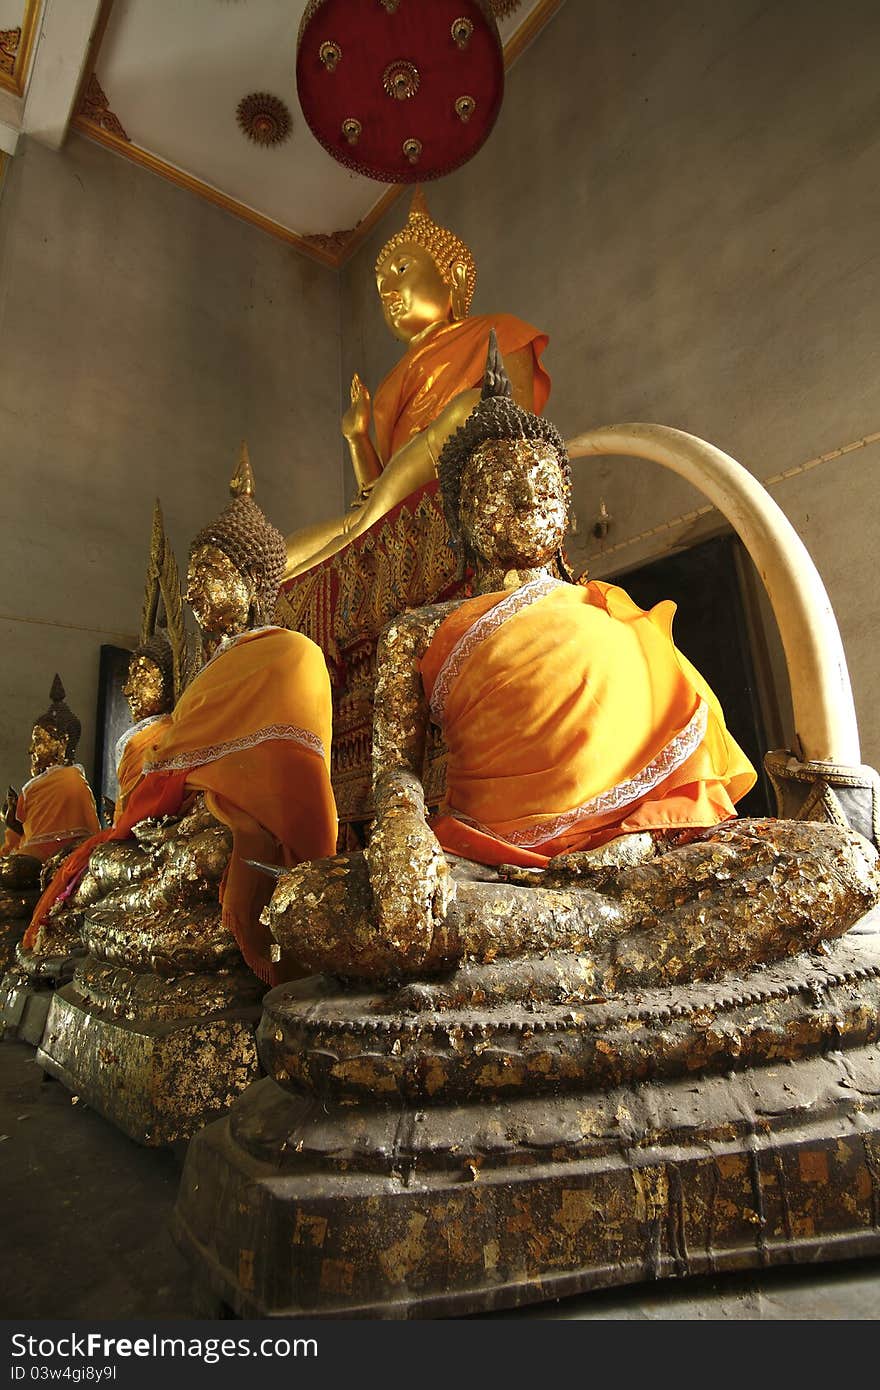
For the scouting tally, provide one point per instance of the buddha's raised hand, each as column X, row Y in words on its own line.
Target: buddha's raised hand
column 9, row 806
column 356, row 420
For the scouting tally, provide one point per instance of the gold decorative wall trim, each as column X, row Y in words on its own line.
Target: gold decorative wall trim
column 95, row 107
column 529, row 29
column 204, row 190
column 686, row 518
column 331, row 249
column 14, row 75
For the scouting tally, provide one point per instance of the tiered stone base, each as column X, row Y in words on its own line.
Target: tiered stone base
column 159, row 1057
column 678, row 1153
column 26, row 992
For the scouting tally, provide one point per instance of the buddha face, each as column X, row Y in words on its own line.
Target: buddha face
column 513, row 503
column 47, row 748
column 412, row 291
column 144, row 688
column 219, row 595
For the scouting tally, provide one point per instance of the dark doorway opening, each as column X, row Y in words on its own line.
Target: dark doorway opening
column 711, row 629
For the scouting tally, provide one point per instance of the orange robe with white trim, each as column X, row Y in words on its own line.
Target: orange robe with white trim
column 132, row 750
column 570, row 718
column 55, row 807
column 252, row 732
column 450, row 360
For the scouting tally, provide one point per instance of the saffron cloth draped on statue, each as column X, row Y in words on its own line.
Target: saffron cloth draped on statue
column 571, row 717
column 252, row 732
column 451, row 359
column 11, row 842
column 54, row 808
column 132, row 751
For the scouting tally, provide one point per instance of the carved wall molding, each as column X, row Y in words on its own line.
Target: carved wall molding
column 16, row 47
column 334, row 243
column 95, row 106
column 9, row 42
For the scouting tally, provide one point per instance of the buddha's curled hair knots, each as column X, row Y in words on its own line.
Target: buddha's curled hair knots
column 158, row 650
column 246, row 537
column 59, row 718
column 496, row 416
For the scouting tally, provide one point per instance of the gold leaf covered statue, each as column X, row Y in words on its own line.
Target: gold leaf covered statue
column 56, row 807
column 585, row 1026
column 588, row 760
column 425, row 278
column 54, row 811
column 251, row 731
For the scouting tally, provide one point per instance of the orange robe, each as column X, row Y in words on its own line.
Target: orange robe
column 253, row 732
column 54, row 808
column 450, row 360
column 571, row 718
column 11, row 842
column 132, row 749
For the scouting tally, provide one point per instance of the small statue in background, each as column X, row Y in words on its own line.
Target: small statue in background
column 56, row 807
column 52, row 813
column 149, row 690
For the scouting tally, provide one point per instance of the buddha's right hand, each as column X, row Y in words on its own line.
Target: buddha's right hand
column 9, row 806
column 356, row 420
column 411, row 883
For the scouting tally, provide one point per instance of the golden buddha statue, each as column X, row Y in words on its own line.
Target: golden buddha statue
column 572, row 724
column 425, row 278
column 238, row 771
column 53, row 812
column 56, row 807
column 585, row 1025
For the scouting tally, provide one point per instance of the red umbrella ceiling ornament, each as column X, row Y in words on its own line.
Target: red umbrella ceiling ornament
column 400, row 90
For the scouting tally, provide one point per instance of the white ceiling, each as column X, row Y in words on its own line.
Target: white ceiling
column 174, row 71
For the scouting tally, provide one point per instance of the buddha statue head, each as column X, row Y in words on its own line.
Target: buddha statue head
column 236, row 564
column 505, row 481
column 55, row 734
column 149, row 685
column 424, row 275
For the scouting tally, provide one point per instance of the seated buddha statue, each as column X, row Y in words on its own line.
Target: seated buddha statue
column 56, row 807
column 425, row 278
column 149, row 690
column 591, row 782
column 53, row 812
column 250, row 734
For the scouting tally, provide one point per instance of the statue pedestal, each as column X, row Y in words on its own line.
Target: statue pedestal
column 26, row 992
column 16, row 907
column 684, row 1131
column 159, row 1057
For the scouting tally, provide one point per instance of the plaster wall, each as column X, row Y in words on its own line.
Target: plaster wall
column 143, row 334
column 686, row 197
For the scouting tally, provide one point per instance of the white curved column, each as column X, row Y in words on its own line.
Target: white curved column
column 825, row 719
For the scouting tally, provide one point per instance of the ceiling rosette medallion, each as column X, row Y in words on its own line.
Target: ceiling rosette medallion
column 264, row 119
column 399, row 90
